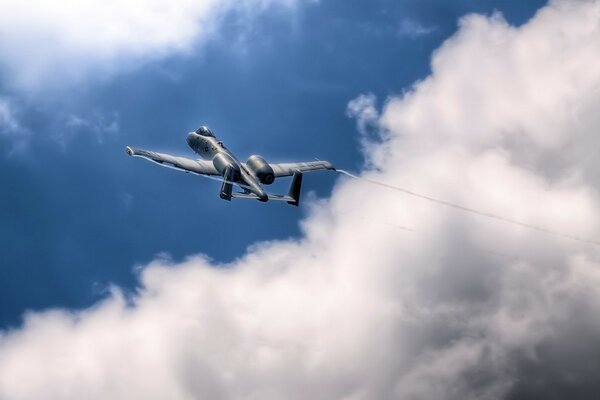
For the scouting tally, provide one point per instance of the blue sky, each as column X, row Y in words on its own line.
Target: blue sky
column 120, row 279
column 78, row 215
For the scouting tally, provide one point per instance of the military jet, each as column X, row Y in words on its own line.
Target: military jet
column 249, row 176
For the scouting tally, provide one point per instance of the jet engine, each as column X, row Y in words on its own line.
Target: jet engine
column 261, row 169
column 226, row 167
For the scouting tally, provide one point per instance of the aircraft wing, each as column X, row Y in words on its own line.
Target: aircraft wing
column 183, row 164
column 288, row 169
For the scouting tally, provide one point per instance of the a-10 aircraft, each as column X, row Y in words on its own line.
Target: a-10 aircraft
column 219, row 161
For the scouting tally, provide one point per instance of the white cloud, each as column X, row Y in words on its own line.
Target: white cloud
column 57, row 44
column 460, row 307
column 363, row 108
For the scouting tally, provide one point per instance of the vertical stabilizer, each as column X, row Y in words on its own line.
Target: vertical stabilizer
column 295, row 188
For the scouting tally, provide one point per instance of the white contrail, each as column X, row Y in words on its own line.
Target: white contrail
column 472, row 210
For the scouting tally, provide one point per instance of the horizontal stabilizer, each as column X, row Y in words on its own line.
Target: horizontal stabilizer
column 275, row 197
column 293, row 197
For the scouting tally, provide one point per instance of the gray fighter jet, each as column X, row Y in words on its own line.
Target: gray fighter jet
column 219, row 161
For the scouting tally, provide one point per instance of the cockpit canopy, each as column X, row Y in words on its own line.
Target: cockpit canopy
column 204, row 131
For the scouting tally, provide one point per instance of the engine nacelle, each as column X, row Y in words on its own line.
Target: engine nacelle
column 223, row 162
column 261, row 169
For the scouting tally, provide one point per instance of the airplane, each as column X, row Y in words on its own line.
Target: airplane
column 217, row 160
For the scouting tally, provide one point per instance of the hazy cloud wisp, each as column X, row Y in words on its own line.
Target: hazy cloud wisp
column 8, row 121
column 56, row 45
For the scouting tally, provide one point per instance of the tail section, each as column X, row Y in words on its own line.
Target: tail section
column 293, row 196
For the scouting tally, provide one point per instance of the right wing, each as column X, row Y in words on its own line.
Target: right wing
column 184, row 164
column 288, row 169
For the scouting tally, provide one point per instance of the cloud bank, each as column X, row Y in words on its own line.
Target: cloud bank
column 386, row 296
column 55, row 45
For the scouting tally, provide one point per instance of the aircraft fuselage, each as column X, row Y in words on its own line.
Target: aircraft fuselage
column 210, row 148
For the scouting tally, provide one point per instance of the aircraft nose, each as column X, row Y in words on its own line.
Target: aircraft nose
column 191, row 139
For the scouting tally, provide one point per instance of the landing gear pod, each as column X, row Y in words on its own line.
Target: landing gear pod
column 223, row 162
column 227, row 186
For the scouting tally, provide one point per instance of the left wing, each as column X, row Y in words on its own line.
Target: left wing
column 288, row 169
column 184, row 164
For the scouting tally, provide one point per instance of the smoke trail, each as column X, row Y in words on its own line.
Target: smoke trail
column 472, row 210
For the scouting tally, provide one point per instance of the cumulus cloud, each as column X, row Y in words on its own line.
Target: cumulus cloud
column 457, row 307
column 364, row 109
column 57, row 44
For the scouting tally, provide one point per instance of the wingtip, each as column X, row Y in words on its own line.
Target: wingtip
column 328, row 165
